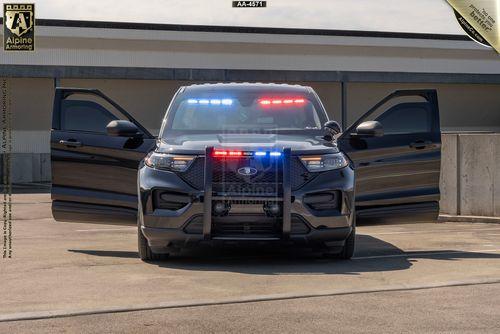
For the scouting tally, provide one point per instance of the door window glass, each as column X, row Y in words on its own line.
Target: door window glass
column 407, row 118
column 78, row 115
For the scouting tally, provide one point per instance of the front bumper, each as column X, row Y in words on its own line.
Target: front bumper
column 188, row 225
column 159, row 238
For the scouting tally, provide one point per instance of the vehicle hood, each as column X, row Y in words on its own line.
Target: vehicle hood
column 196, row 143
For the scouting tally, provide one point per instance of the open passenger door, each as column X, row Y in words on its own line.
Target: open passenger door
column 94, row 166
column 397, row 155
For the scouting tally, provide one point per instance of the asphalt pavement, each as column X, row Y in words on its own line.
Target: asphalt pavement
column 66, row 277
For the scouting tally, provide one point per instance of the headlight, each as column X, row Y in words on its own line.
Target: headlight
column 173, row 162
column 321, row 163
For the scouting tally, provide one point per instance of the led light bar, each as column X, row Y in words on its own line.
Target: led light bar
column 221, row 153
column 288, row 101
column 216, row 102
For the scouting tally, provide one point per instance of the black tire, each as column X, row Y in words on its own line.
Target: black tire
column 344, row 252
column 348, row 249
column 145, row 252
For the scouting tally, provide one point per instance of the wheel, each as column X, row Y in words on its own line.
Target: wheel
column 145, row 252
column 348, row 249
column 345, row 252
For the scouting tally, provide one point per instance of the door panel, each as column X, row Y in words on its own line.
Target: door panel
column 400, row 169
column 94, row 176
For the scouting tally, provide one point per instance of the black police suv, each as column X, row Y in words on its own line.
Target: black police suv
column 244, row 162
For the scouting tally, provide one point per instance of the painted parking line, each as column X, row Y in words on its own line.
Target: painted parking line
column 39, row 315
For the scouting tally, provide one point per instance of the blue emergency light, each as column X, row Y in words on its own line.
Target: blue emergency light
column 214, row 102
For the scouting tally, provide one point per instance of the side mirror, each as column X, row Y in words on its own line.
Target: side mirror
column 122, row 128
column 332, row 129
column 370, row 129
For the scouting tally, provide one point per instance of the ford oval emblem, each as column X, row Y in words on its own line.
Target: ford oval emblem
column 247, row 171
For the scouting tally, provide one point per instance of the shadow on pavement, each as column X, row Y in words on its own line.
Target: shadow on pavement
column 372, row 255
column 122, row 254
column 29, row 188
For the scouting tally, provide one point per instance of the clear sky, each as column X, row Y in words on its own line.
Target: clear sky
column 429, row 16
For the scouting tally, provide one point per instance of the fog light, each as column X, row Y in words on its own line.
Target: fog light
column 323, row 201
column 221, row 208
column 272, row 209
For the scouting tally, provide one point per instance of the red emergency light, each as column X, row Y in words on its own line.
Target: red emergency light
column 280, row 101
column 227, row 153
column 222, row 153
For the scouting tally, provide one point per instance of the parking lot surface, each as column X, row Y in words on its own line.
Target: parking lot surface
column 83, row 277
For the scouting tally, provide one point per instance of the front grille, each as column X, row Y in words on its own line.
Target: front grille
column 225, row 174
column 194, row 176
column 247, row 189
column 267, row 180
column 267, row 170
column 259, row 225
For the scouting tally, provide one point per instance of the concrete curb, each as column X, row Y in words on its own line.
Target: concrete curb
column 468, row 219
column 39, row 315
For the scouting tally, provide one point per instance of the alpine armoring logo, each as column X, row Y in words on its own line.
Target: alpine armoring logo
column 19, row 27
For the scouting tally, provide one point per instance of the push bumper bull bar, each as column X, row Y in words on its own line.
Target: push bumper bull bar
column 285, row 198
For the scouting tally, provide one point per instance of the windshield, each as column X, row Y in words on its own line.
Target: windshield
column 223, row 111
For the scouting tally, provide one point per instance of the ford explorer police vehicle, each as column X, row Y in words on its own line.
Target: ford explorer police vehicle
column 246, row 163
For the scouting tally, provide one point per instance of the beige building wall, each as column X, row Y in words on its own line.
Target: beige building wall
column 30, row 106
column 330, row 94
column 464, row 107
column 147, row 100
column 30, row 109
